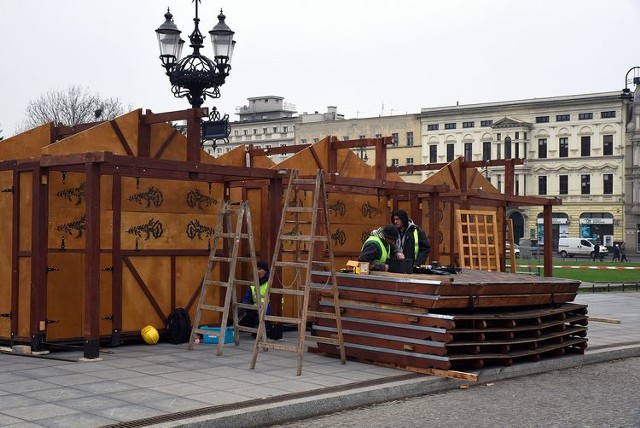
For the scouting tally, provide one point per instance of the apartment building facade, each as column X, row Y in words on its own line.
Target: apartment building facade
column 573, row 149
column 405, row 130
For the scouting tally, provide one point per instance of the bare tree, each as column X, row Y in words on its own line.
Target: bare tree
column 70, row 107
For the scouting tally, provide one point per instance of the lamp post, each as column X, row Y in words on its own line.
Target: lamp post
column 197, row 77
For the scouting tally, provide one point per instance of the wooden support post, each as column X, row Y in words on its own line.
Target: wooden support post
column 548, row 241
column 116, row 260
column 15, row 248
column 193, row 135
column 39, row 240
column 91, row 322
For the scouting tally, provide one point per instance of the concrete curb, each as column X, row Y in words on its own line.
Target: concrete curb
column 271, row 414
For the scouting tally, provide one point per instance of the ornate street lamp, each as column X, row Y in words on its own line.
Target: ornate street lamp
column 626, row 92
column 195, row 76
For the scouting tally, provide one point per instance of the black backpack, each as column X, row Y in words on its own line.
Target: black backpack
column 178, row 326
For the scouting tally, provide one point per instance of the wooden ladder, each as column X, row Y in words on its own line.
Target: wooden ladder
column 311, row 237
column 233, row 237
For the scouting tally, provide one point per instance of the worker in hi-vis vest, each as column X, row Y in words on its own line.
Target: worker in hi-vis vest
column 249, row 318
column 413, row 241
column 380, row 247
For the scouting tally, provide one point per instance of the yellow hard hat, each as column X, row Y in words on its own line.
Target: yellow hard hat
column 150, row 335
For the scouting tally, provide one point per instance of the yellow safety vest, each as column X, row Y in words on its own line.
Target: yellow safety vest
column 263, row 292
column 384, row 250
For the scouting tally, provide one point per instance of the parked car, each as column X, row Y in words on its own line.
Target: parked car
column 574, row 247
column 507, row 250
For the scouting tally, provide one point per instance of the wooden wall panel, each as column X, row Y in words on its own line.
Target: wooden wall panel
column 25, row 222
column 65, row 292
column 24, row 297
column 137, row 309
column 154, row 195
column 27, row 144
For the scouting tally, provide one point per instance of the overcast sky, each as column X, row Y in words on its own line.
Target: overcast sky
column 367, row 57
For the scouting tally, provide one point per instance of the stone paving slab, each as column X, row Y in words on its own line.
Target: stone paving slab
column 178, row 387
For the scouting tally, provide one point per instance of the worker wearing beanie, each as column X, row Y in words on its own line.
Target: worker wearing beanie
column 380, row 247
column 413, row 241
column 249, row 318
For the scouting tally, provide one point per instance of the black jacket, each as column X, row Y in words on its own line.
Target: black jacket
column 407, row 242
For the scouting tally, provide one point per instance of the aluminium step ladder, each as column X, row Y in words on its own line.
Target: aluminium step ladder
column 310, row 235
column 233, row 237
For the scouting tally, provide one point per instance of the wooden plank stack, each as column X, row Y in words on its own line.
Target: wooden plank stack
column 455, row 322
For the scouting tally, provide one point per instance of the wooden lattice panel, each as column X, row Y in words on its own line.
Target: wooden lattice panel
column 478, row 239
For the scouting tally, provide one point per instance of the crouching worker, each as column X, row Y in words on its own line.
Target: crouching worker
column 380, row 247
column 251, row 318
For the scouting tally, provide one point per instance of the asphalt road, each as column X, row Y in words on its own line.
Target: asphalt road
column 600, row 395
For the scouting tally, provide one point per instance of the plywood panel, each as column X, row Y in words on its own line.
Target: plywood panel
column 6, row 227
column 65, row 291
column 24, row 297
column 26, row 199
column 154, row 195
column 101, row 137
column 137, row 309
column 177, row 147
column 27, row 144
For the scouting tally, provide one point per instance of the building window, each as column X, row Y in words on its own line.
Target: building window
column 255, row 131
column 507, row 148
column 345, row 138
column 564, row 184
column 585, row 116
column 585, row 146
column 468, row 124
column 275, row 129
column 607, row 114
column 563, row 117
column 409, row 162
column 409, row 139
column 449, row 126
column 394, row 162
column 264, row 130
column 468, row 151
column 315, row 140
column 486, row 150
column 450, row 152
column 499, row 136
column 433, row 127
column 236, row 132
column 395, row 139
column 542, row 185
column 361, row 137
column 585, row 184
column 517, row 136
column 542, row 148
column 433, row 153
column 303, row 141
column 267, row 146
column 245, row 131
column 378, row 135
column 607, row 184
column 564, row 147
column 285, row 129
column 486, row 122
column 607, row 145
column 542, row 119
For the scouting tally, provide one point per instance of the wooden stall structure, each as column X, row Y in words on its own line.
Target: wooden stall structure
column 108, row 229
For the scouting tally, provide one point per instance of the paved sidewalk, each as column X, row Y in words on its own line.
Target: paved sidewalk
column 167, row 385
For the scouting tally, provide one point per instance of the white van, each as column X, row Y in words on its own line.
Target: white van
column 571, row 247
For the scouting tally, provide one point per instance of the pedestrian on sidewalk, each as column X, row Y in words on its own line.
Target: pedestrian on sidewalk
column 616, row 252
column 596, row 251
column 623, row 255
